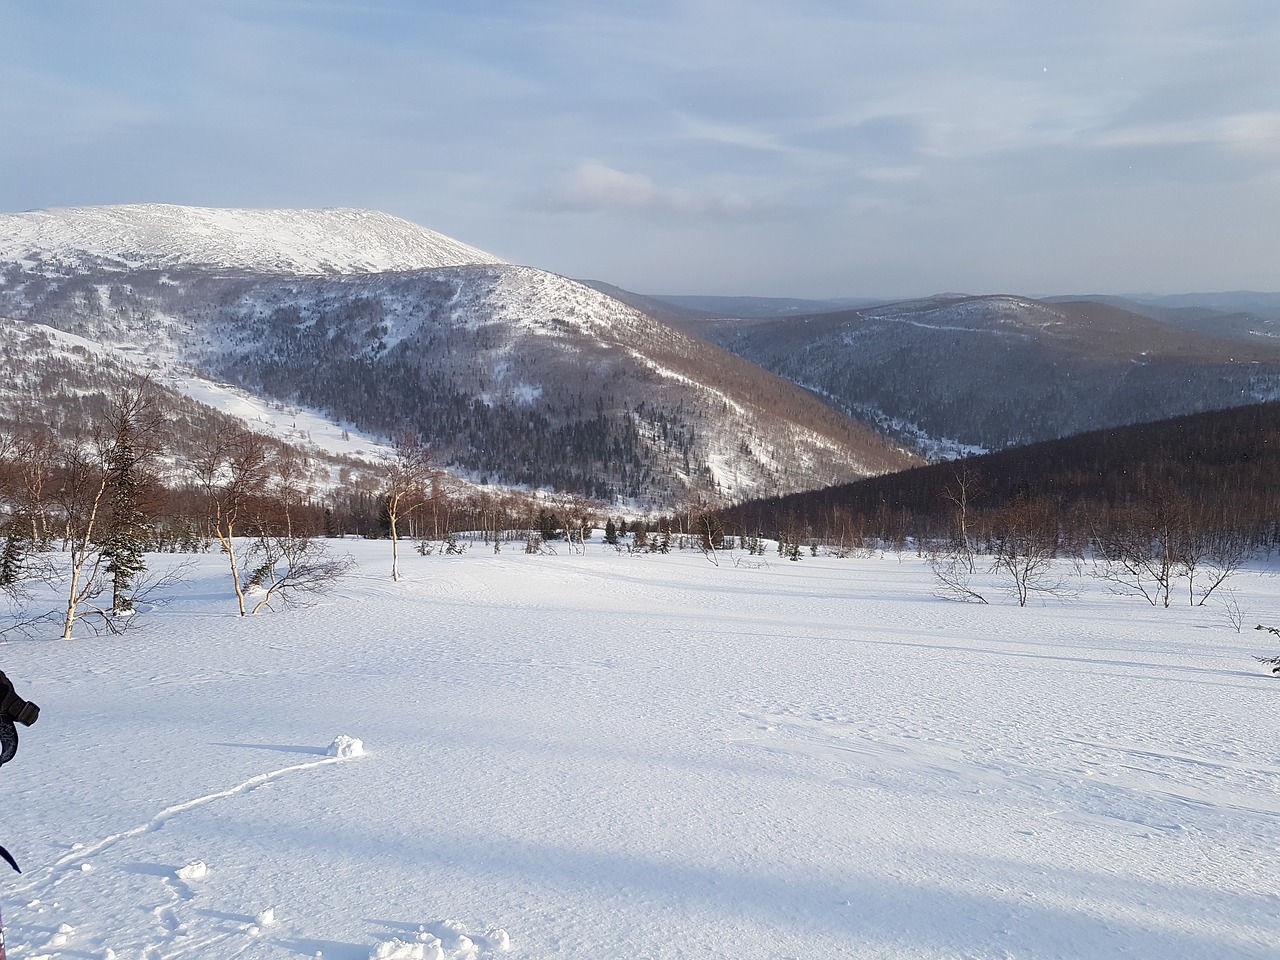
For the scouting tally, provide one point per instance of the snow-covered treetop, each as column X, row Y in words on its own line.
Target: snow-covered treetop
column 334, row 241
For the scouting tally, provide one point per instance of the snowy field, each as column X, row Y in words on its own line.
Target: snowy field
column 614, row 757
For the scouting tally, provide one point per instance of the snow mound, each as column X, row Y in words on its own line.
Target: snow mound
column 453, row 943
column 346, row 747
column 195, row 870
column 157, row 235
column 498, row 939
column 400, row 950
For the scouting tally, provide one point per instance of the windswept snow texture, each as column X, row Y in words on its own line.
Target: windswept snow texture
column 613, row 757
column 154, row 235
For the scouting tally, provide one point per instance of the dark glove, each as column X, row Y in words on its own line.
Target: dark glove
column 13, row 707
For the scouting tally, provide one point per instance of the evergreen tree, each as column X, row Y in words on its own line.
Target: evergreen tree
column 12, row 559
column 611, row 532
column 549, row 526
column 128, row 531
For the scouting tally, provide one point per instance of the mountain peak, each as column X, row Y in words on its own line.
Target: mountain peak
column 156, row 235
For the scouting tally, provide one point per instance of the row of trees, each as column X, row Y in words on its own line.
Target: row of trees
column 83, row 511
column 1151, row 548
column 1159, row 510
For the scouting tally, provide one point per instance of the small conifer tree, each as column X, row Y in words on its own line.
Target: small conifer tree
column 127, row 533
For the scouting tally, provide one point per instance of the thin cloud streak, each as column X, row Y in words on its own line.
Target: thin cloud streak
column 594, row 187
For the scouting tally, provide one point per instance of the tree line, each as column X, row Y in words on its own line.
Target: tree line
column 83, row 512
column 1180, row 501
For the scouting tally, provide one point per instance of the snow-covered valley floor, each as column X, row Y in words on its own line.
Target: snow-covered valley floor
column 614, row 757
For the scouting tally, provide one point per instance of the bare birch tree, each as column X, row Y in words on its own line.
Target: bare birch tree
column 79, row 493
column 961, row 493
column 407, row 474
column 232, row 468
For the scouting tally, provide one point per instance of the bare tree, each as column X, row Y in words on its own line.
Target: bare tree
column 709, row 531
column 961, row 493
column 1214, row 556
column 1026, row 539
column 953, row 575
column 232, row 468
column 579, row 517
column 79, row 494
column 32, row 457
column 287, row 564
column 290, row 570
column 1273, row 662
column 22, row 559
column 407, row 474
column 1144, row 549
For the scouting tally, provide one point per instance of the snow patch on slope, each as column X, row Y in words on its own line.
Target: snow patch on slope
column 152, row 235
column 544, row 300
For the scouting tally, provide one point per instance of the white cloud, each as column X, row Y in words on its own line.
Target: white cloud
column 1246, row 131
column 593, row 186
column 730, row 135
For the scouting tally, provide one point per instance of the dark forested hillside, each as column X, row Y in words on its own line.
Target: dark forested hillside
column 1225, row 464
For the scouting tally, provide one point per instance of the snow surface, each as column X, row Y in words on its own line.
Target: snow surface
column 156, row 235
column 614, row 757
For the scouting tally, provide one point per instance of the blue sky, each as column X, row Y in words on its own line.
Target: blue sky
column 808, row 148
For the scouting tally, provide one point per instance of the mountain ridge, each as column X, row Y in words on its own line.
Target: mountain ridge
column 336, row 240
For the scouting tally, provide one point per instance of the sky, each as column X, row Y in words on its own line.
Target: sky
column 813, row 148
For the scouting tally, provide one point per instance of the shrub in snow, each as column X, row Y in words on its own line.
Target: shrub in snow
column 346, row 747
column 1273, row 662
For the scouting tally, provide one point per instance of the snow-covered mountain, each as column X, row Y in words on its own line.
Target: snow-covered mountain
column 155, row 235
column 516, row 376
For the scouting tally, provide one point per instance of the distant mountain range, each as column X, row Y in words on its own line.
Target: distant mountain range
column 521, row 377
column 963, row 374
column 1243, row 316
column 515, row 375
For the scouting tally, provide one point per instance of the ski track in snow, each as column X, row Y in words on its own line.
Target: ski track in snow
column 45, row 882
column 156, row 822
